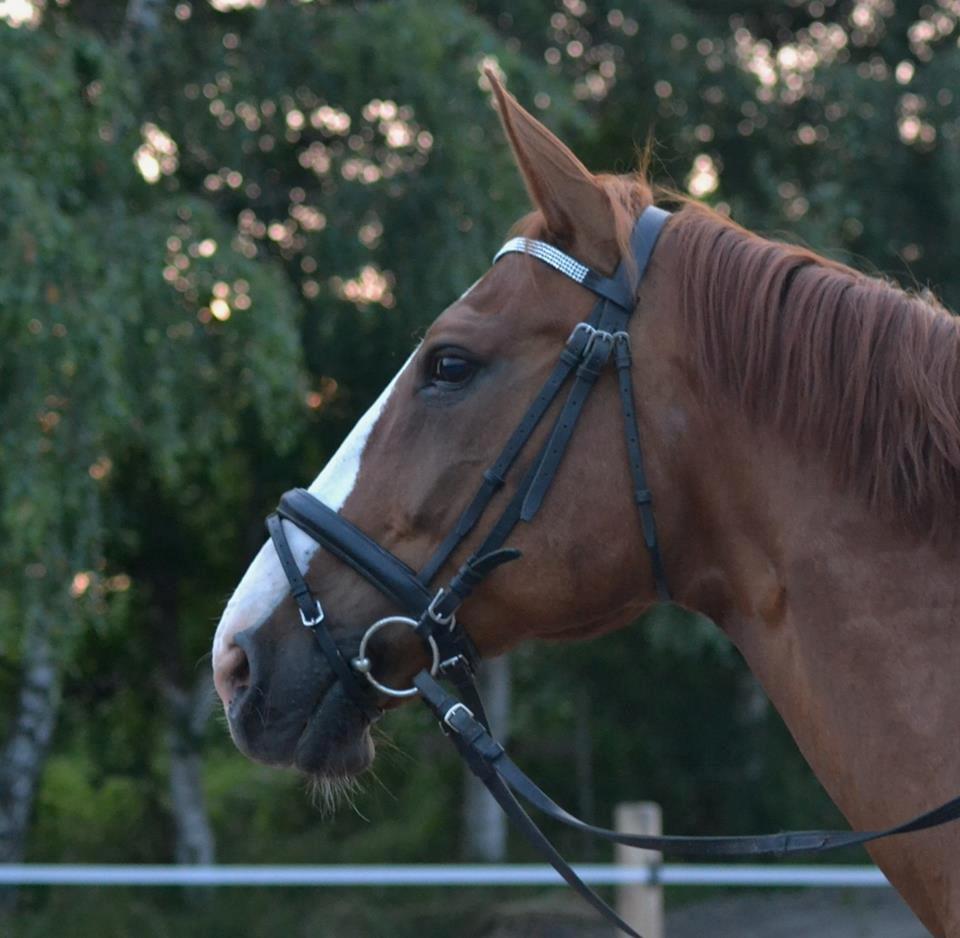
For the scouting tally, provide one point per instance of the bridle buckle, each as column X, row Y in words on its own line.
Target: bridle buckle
column 312, row 621
column 458, row 707
column 575, row 342
column 599, row 336
column 450, row 621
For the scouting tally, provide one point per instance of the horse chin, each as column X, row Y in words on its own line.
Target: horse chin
column 335, row 745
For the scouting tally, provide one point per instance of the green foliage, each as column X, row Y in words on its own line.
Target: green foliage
column 333, row 175
column 256, row 912
column 111, row 361
column 83, row 811
column 344, row 140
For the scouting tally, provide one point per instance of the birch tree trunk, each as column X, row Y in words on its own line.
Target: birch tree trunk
column 25, row 750
column 188, row 712
column 484, row 824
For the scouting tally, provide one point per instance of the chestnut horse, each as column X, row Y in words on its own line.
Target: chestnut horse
column 801, row 427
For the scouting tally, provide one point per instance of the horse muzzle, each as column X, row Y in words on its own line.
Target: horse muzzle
column 291, row 710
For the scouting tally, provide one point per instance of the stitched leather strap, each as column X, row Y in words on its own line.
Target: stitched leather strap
column 307, row 603
column 313, row 618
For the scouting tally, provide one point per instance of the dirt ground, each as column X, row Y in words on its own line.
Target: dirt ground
column 809, row 913
column 834, row 913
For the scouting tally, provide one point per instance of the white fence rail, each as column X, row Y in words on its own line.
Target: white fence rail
column 670, row 874
column 638, row 875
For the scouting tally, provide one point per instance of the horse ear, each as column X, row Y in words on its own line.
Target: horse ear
column 574, row 205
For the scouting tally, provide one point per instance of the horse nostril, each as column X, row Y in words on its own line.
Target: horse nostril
column 231, row 674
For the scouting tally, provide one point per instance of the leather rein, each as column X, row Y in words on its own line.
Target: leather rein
column 432, row 614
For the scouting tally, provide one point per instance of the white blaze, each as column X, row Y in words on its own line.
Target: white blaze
column 264, row 584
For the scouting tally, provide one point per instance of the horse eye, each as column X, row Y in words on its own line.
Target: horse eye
column 451, row 370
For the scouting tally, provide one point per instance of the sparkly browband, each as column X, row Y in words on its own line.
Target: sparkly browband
column 547, row 253
column 618, row 289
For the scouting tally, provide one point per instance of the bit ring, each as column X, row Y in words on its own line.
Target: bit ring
column 362, row 664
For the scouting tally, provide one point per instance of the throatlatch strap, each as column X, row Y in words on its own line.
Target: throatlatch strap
column 641, row 490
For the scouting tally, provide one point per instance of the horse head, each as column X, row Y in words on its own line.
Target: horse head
column 408, row 469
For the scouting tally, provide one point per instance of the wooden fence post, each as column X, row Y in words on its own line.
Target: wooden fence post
column 639, row 904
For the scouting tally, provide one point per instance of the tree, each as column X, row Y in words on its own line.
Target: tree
column 315, row 181
column 351, row 193
column 193, row 383
column 836, row 122
column 108, row 296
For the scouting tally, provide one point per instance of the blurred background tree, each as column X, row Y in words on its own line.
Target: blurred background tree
column 225, row 223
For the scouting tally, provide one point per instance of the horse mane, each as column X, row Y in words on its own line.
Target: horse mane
column 842, row 364
column 845, row 365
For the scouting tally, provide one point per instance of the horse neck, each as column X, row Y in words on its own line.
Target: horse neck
column 848, row 623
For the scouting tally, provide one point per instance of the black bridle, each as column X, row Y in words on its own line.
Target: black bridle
column 432, row 614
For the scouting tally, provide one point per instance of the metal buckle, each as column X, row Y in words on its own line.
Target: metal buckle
column 316, row 620
column 455, row 661
column 581, row 327
column 599, row 335
column 457, row 706
column 450, row 620
column 362, row 664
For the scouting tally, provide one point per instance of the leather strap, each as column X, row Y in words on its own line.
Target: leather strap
column 480, row 752
column 495, row 476
column 312, row 616
column 309, row 606
column 356, row 549
column 643, row 239
column 474, row 737
column 595, row 357
column 470, row 576
column 439, row 622
column 641, row 490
